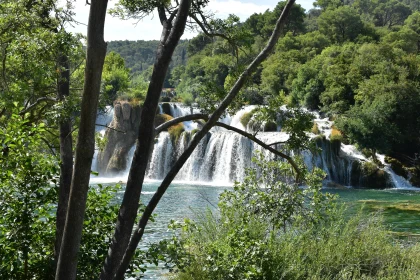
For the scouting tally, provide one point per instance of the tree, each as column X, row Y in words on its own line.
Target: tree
column 124, row 247
column 115, row 76
column 96, row 50
column 389, row 13
column 340, row 25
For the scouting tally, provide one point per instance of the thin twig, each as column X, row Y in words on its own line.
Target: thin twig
column 117, row 130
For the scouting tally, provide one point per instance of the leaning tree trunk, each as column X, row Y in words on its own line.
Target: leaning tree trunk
column 139, row 231
column 66, row 154
column 96, row 50
column 171, row 35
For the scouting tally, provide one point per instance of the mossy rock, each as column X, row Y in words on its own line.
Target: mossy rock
column 319, row 139
column 368, row 168
column 162, row 118
column 247, row 117
column 397, row 166
column 270, row 126
column 194, row 131
column 166, row 108
column 165, row 99
column 414, row 175
column 175, row 131
column 315, row 129
column 373, row 177
column 336, row 135
column 117, row 162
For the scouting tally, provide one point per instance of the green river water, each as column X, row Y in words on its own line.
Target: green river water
column 400, row 208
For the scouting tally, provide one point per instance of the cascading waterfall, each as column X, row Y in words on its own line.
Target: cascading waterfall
column 223, row 156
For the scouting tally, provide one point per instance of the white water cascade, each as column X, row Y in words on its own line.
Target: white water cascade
column 103, row 119
column 223, row 156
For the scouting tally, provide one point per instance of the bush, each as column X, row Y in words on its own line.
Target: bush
column 315, row 129
column 175, row 131
column 336, row 135
column 247, row 117
column 281, row 231
column 270, row 126
column 358, row 248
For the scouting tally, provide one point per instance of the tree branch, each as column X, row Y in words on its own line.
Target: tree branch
column 276, row 143
column 262, row 144
column 174, row 121
column 39, row 100
column 117, row 130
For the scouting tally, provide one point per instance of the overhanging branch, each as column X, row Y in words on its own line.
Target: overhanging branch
column 262, row 144
column 174, row 121
column 39, row 100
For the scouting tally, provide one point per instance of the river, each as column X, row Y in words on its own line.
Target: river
column 400, row 208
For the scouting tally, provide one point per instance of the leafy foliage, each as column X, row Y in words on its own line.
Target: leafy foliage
column 284, row 231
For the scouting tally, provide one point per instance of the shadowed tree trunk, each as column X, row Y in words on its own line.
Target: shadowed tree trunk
column 96, row 50
column 66, row 154
column 171, row 34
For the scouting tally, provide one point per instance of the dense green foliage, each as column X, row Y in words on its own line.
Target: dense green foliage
column 359, row 248
column 28, row 201
column 140, row 55
column 356, row 61
column 281, row 231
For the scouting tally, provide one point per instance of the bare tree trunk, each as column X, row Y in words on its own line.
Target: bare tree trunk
column 130, row 203
column 96, row 50
column 139, row 231
column 66, row 155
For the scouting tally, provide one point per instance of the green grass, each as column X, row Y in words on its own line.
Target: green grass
column 358, row 248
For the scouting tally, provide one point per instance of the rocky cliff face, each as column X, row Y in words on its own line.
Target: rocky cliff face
column 120, row 139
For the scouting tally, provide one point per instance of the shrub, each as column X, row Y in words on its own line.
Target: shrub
column 100, row 141
column 270, row 126
column 336, row 135
column 281, row 231
column 315, row 129
column 358, row 248
column 175, row 131
column 246, row 117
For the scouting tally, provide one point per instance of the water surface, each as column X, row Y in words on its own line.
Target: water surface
column 400, row 208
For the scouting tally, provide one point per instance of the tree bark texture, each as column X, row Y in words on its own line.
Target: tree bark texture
column 96, row 50
column 171, row 35
column 66, row 154
column 139, row 231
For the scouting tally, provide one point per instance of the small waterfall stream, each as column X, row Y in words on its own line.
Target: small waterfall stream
column 103, row 119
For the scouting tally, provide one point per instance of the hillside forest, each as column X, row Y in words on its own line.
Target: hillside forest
column 355, row 61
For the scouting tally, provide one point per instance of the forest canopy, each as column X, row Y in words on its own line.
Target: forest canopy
column 355, row 61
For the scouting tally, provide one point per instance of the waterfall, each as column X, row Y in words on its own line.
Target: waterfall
column 222, row 157
column 103, row 119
